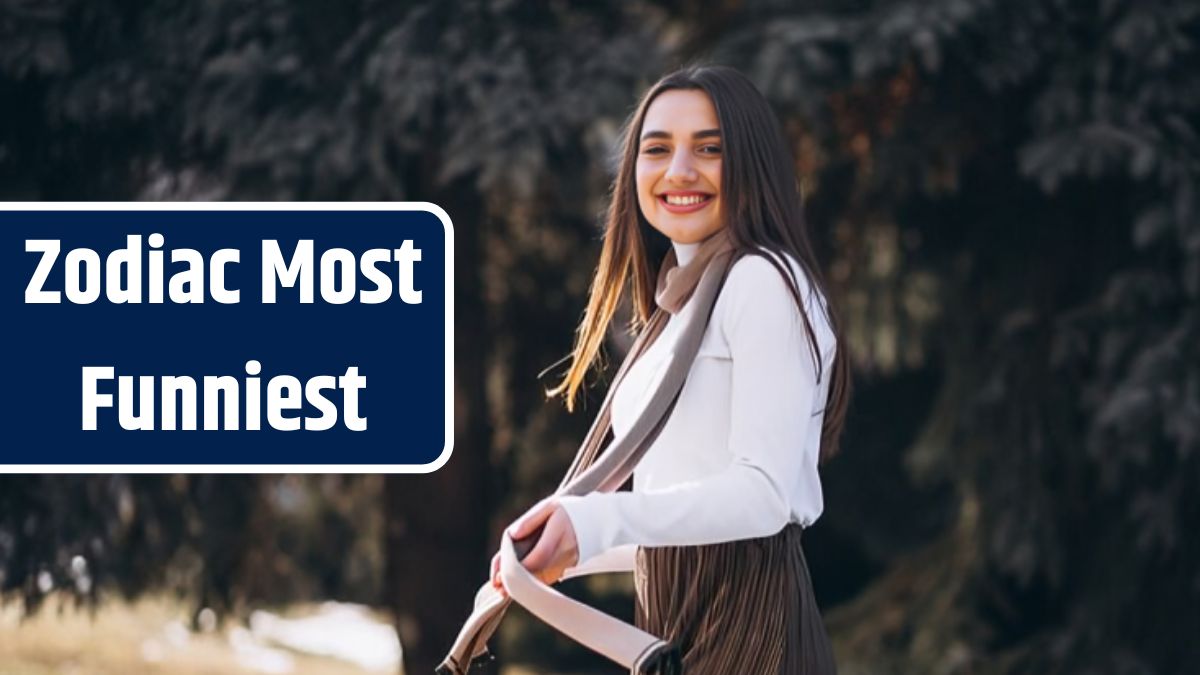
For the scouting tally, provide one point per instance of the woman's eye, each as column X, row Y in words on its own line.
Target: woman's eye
column 710, row 149
column 654, row 150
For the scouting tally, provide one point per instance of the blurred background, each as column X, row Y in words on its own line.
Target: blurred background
column 1004, row 197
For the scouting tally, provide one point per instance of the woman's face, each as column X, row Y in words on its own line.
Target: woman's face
column 679, row 166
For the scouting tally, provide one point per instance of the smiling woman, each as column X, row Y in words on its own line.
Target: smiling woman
column 712, row 526
column 679, row 166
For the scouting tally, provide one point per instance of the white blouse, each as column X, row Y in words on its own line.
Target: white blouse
column 737, row 459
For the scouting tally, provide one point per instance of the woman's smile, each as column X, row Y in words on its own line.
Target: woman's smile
column 680, row 201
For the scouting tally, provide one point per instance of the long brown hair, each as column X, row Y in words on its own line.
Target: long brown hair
column 762, row 207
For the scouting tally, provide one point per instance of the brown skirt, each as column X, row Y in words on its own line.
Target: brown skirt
column 736, row 607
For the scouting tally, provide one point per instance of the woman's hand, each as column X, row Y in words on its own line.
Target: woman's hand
column 497, row 582
column 556, row 550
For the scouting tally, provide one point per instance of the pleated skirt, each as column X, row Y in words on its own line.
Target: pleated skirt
column 736, row 607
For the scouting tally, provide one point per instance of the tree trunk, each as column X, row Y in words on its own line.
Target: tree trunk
column 436, row 536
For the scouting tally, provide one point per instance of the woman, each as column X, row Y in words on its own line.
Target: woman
column 712, row 526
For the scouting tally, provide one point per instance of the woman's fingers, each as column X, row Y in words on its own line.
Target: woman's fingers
column 532, row 520
column 542, row 553
column 555, row 550
column 497, row 582
column 523, row 527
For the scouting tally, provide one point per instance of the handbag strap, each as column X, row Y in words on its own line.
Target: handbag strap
column 627, row 645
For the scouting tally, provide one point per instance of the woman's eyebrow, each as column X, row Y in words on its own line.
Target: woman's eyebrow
column 703, row 133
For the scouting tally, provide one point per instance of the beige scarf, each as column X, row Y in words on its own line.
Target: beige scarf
column 676, row 284
column 593, row 470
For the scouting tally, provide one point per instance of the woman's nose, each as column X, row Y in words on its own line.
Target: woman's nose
column 681, row 171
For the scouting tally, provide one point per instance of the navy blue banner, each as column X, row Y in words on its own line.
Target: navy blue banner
column 226, row 337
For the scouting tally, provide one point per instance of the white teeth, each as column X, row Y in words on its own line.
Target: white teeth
column 677, row 200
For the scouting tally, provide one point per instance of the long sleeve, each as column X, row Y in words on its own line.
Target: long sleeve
column 772, row 389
